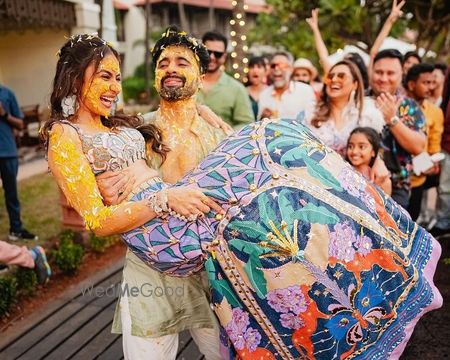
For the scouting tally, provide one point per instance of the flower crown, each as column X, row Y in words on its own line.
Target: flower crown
column 86, row 37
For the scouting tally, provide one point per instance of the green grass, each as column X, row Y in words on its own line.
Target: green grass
column 40, row 209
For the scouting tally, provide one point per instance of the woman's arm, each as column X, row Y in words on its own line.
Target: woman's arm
column 321, row 48
column 385, row 30
column 77, row 181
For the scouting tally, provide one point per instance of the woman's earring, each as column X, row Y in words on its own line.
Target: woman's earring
column 69, row 105
column 114, row 106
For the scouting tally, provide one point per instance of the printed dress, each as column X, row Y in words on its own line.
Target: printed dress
column 310, row 261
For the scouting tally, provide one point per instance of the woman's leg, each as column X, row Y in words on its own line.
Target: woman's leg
column 208, row 342
column 145, row 348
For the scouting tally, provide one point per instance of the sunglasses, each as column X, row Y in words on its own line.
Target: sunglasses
column 341, row 76
column 217, row 54
column 281, row 66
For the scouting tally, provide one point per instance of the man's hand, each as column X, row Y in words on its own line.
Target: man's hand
column 115, row 186
column 2, row 110
column 434, row 170
column 214, row 120
column 191, row 201
column 267, row 113
column 388, row 105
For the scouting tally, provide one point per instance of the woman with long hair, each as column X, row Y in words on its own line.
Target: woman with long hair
column 341, row 107
column 309, row 259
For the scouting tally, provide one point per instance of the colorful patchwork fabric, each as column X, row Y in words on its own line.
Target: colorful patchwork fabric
column 310, row 261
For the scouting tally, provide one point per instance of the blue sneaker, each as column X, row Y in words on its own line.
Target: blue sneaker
column 41, row 265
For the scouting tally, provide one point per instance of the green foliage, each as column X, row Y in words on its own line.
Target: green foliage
column 26, row 280
column 68, row 255
column 100, row 243
column 8, row 291
column 341, row 22
column 134, row 86
column 446, row 261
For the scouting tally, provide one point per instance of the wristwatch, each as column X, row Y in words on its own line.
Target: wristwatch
column 394, row 121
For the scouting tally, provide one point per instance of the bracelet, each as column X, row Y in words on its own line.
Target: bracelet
column 158, row 202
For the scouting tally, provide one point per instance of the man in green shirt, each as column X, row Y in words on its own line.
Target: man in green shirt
column 223, row 94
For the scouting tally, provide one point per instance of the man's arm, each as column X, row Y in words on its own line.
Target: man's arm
column 413, row 140
column 10, row 118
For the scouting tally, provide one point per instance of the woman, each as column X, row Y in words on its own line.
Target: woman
column 310, row 260
column 341, row 108
column 257, row 80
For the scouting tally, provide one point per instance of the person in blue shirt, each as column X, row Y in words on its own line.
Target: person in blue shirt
column 11, row 117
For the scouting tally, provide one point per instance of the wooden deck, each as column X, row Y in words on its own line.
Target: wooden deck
column 78, row 326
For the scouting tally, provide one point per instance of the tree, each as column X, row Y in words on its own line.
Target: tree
column 343, row 22
column 431, row 21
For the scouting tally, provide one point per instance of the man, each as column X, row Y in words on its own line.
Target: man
column 285, row 98
column 418, row 83
column 403, row 135
column 437, row 86
column 149, row 320
column 223, row 94
column 11, row 118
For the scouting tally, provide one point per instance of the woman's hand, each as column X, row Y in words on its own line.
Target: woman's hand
column 191, row 201
column 313, row 21
column 396, row 10
column 115, row 186
column 214, row 120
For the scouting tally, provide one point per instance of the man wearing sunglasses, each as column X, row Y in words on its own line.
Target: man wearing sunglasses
column 285, row 98
column 223, row 94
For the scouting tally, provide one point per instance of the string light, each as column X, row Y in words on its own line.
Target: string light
column 238, row 37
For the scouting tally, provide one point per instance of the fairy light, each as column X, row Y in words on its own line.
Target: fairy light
column 238, row 39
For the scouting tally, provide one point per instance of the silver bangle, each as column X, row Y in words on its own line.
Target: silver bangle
column 158, row 202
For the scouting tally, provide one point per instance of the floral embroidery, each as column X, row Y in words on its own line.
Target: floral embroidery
column 344, row 243
column 240, row 334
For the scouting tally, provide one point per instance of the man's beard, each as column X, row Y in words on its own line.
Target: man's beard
column 177, row 93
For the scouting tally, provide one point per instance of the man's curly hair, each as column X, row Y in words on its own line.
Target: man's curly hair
column 173, row 37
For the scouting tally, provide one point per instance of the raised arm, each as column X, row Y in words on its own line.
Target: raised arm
column 396, row 12
column 321, row 48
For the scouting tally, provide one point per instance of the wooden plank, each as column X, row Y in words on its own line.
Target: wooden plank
column 47, row 343
column 183, row 340
column 190, row 352
column 83, row 336
column 102, row 341
column 47, row 326
column 113, row 352
column 33, row 322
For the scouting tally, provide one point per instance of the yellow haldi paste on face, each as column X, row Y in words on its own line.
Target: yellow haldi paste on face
column 101, row 83
column 179, row 61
